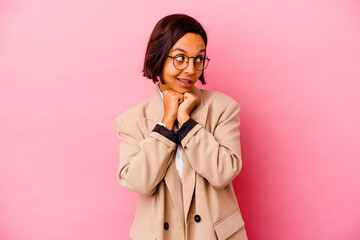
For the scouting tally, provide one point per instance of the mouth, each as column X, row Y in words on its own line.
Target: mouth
column 185, row 80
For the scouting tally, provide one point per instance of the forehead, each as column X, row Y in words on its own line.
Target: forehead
column 190, row 43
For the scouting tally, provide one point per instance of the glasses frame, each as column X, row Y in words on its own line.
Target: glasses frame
column 187, row 63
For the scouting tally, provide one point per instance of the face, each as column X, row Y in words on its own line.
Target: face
column 181, row 81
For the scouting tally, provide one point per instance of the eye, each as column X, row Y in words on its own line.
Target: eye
column 199, row 59
column 179, row 58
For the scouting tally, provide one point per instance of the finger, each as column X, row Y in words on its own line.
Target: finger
column 172, row 92
column 179, row 94
column 190, row 95
column 180, row 97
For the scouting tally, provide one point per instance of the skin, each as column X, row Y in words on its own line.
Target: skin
column 177, row 99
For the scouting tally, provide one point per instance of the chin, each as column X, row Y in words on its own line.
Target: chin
column 184, row 90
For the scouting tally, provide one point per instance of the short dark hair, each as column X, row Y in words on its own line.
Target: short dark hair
column 163, row 37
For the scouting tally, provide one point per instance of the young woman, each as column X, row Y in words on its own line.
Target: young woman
column 180, row 149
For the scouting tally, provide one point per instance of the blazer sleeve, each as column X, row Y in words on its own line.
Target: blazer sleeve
column 143, row 164
column 217, row 156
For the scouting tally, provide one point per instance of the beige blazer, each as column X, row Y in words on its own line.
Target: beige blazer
column 203, row 206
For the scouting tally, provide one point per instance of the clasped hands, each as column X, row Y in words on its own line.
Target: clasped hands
column 177, row 106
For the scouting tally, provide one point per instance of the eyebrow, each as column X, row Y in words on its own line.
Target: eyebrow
column 182, row 50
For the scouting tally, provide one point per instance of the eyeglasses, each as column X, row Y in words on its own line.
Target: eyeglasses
column 182, row 61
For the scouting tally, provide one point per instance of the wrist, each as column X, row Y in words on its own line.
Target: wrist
column 169, row 123
column 183, row 118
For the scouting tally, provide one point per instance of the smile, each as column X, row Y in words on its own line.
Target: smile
column 184, row 81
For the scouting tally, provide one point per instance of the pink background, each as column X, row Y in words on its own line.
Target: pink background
column 68, row 68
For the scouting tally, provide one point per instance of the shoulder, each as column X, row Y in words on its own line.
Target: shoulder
column 127, row 120
column 221, row 108
column 135, row 111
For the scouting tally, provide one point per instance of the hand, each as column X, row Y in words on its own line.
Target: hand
column 185, row 108
column 171, row 100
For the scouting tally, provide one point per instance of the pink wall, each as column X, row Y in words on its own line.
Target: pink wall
column 68, row 68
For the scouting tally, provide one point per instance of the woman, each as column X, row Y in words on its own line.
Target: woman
column 180, row 149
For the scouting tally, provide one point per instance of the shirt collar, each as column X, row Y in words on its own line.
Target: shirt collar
column 158, row 87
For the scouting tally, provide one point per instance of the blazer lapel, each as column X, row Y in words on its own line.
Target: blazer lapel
column 153, row 115
column 199, row 114
column 181, row 195
column 173, row 182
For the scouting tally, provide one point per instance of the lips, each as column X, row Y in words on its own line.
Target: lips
column 185, row 80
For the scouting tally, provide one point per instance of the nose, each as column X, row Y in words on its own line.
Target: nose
column 190, row 69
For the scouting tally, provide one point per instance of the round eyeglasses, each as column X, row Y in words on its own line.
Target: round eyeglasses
column 182, row 61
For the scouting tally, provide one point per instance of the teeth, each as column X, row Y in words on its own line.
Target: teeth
column 184, row 81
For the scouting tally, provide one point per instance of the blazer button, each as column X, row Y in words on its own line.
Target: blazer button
column 197, row 218
column 166, row 225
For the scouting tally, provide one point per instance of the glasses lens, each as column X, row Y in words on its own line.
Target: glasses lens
column 180, row 62
column 206, row 62
column 199, row 63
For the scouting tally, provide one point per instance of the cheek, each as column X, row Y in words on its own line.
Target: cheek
column 169, row 70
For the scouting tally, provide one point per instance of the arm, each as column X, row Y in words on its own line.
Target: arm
column 217, row 156
column 143, row 164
